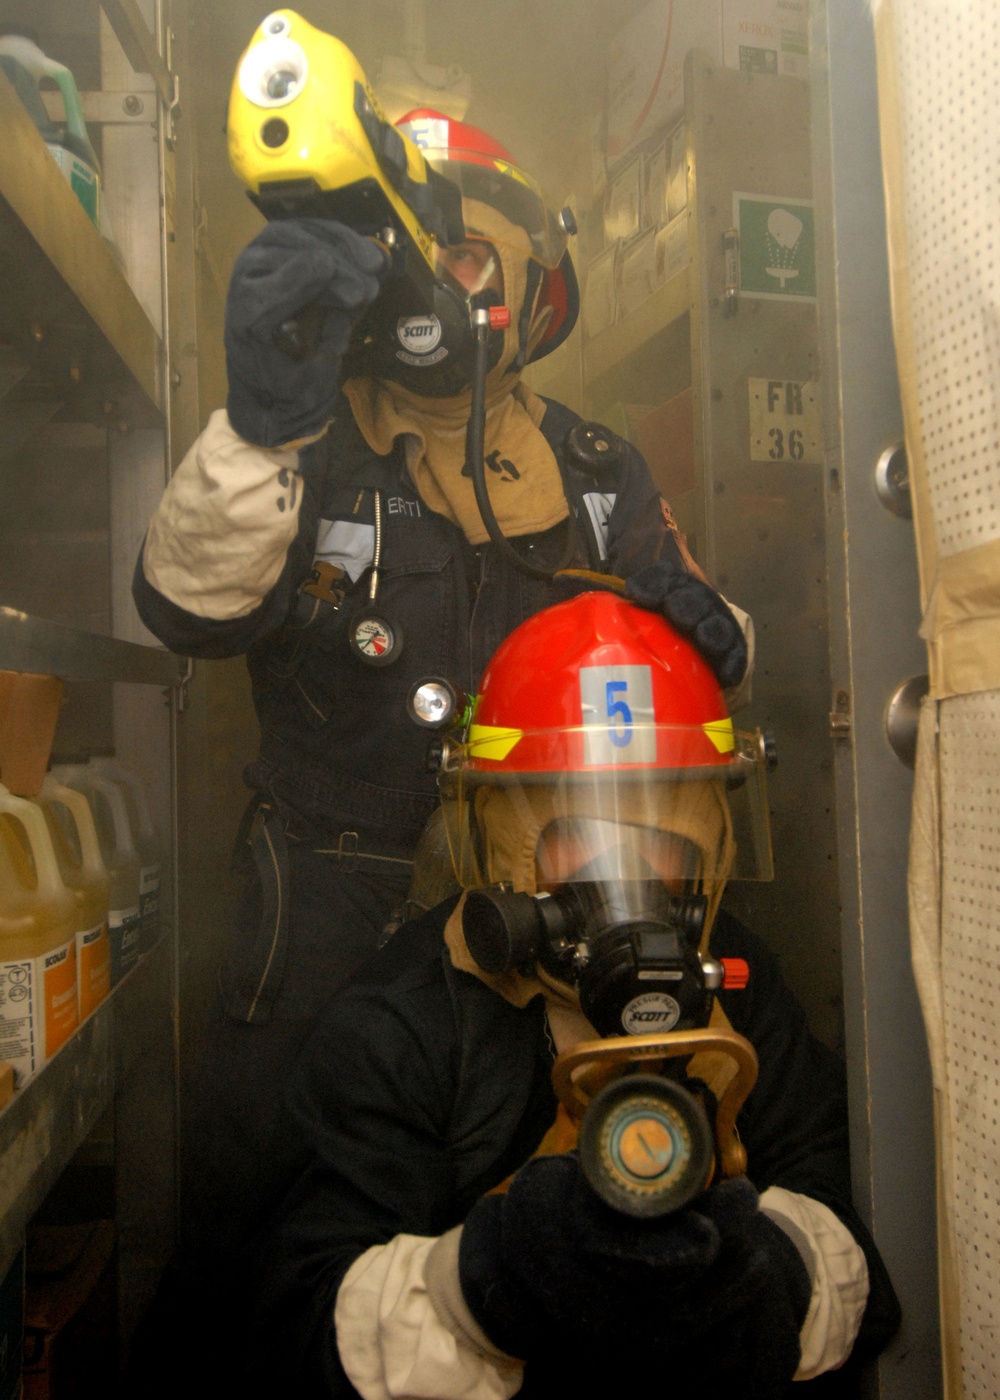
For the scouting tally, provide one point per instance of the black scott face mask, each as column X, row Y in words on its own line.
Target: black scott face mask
column 615, row 931
column 427, row 350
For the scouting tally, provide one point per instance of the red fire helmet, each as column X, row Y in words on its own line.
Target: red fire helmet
column 596, row 683
column 485, row 171
column 597, row 711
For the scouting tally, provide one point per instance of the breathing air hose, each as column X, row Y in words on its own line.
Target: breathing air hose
column 482, row 305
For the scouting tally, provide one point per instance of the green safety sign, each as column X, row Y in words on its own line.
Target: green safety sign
column 777, row 247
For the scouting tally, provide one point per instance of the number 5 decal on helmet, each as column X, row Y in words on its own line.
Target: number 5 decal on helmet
column 618, row 710
column 616, row 705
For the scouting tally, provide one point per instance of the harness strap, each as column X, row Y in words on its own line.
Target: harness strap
column 257, row 983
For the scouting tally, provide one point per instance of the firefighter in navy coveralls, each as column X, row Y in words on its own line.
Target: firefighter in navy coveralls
column 441, row 1239
column 318, row 488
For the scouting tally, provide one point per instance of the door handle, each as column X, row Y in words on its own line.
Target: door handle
column 902, row 715
column 892, row 481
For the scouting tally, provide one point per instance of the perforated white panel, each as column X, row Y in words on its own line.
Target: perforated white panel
column 949, row 69
column 970, row 921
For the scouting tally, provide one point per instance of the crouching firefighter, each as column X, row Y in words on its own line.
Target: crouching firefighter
column 444, row 1237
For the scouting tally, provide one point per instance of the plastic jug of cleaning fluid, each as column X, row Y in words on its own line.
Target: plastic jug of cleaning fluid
column 144, row 840
column 38, row 995
column 114, row 836
column 74, row 840
column 26, row 67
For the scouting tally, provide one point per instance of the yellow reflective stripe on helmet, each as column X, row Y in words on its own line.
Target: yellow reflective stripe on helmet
column 487, row 741
column 506, row 168
column 720, row 731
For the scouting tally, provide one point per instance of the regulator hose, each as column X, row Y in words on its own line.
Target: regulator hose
column 475, row 438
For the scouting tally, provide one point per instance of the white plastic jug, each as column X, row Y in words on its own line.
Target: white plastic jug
column 38, row 992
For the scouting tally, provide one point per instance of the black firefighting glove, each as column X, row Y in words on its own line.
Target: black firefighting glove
column 698, row 613
column 294, row 266
column 715, row 1295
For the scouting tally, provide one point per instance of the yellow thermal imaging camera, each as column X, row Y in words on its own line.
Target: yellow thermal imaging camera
column 308, row 137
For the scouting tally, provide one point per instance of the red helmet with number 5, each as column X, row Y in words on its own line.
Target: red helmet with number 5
column 595, row 683
column 598, row 712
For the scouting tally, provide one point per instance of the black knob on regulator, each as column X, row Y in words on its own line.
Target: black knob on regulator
column 501, row 928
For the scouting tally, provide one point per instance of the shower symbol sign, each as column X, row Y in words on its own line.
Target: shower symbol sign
column 784, row 234
column 777, row 247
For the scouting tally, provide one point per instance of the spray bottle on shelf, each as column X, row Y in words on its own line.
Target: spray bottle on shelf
column 26, row 66
column 38, row 992
column 118, row 852
column 74, row 840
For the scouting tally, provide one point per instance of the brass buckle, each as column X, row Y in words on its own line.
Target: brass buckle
column 347, row 850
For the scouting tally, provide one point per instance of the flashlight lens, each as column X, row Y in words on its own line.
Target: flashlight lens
column 274, row 72
column 433, row 703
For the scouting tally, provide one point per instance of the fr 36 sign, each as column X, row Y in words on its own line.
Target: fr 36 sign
column 785, row 424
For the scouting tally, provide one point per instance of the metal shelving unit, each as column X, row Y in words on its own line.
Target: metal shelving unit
column 33, row 644
column 86, row 326
column 69, row 312
column 45, row 1123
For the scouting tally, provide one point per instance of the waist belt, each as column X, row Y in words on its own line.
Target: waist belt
column 269, row 833
column 350, row 857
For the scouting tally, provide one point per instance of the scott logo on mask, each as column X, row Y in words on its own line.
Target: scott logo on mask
column 653, row 1011
column 420, row 339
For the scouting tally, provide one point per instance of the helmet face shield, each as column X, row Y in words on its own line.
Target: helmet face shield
column 485, row 174
column 512, row 192
column 698, row 826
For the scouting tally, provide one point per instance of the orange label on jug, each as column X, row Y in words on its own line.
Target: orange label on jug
column 62, row 1010
column 93, row 957
column 38, row 1009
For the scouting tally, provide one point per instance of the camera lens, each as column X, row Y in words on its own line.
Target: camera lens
column 274, row 133
column 282, row 83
